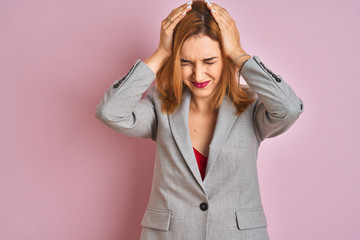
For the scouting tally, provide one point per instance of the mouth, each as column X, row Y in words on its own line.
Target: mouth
column 200, row 85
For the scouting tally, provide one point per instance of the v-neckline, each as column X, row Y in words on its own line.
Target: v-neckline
column 199, row 153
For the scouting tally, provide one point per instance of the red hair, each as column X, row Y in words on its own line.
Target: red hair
column 199, row 20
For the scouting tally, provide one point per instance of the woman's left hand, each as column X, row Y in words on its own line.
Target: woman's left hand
column 229, row 31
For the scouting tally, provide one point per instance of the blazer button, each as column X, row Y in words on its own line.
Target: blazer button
column 116, row 85
column 278, row 79
column 204, row 206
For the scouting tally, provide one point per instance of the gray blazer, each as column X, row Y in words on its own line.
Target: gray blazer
column 227, row 204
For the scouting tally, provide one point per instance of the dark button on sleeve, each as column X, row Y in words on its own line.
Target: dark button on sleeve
column 116, row 85
column 204, row 206
column 270, row 72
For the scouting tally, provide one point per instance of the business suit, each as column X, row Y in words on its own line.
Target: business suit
column 227, row 204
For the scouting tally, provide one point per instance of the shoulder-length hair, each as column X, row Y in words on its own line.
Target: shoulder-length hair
column 169, row 81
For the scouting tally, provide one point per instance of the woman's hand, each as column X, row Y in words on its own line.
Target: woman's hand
column 229, row 32
column 157, row 59
column 168, row 25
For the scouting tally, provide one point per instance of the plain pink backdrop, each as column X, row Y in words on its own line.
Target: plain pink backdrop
column 64, row 175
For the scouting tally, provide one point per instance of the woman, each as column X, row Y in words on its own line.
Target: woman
column 207, row 127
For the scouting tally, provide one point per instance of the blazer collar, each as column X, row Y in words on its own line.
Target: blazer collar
column 180, row 129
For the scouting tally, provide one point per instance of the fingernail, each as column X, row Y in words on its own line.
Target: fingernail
column 212, row 10
column 183, row 13
column 188, row 6
column 208, row 2
column 189, row 3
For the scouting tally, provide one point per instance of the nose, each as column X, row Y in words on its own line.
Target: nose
column 198, row 72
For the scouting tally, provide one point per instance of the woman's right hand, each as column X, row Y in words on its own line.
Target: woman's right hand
column 157, row 59
column 168, row 25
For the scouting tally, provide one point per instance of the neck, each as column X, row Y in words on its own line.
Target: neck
column 201, row 105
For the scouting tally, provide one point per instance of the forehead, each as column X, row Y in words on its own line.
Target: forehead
column 200, row 47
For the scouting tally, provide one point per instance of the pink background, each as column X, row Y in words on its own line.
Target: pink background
column 64, row 175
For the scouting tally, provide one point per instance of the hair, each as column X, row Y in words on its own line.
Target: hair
column 199, row 20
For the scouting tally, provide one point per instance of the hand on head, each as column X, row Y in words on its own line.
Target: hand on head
column 229, row 31
column 227, row 25
column 168, row 25
column 229, row 34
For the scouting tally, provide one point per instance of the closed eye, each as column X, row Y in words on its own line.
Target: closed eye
column 185, row 63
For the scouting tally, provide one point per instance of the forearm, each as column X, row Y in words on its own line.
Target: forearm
column 122, row 108
column 277, row 96
column 278, row 106
column 120, row 99
column 156, row 60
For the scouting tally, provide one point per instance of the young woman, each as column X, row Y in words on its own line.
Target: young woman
column 208, row 128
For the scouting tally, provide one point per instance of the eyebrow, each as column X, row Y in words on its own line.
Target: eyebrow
column 205, row 59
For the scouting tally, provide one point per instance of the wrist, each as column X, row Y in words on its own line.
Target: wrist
column 156, row 60
column 239, row 57
column 162, row 53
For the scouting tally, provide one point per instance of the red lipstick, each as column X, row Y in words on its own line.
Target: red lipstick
column 200, row 85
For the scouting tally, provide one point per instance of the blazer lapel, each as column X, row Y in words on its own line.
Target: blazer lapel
column 180, row 129
column 224, row 123
column 179, row 125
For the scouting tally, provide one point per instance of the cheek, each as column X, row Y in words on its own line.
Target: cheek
column 216, row 71
column 185, row 73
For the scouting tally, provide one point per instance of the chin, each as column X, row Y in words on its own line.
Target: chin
column 201, row 93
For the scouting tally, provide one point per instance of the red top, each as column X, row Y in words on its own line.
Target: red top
column 201, row 161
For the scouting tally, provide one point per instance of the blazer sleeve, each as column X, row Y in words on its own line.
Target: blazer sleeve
column 123, row 108
column 277, row 107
